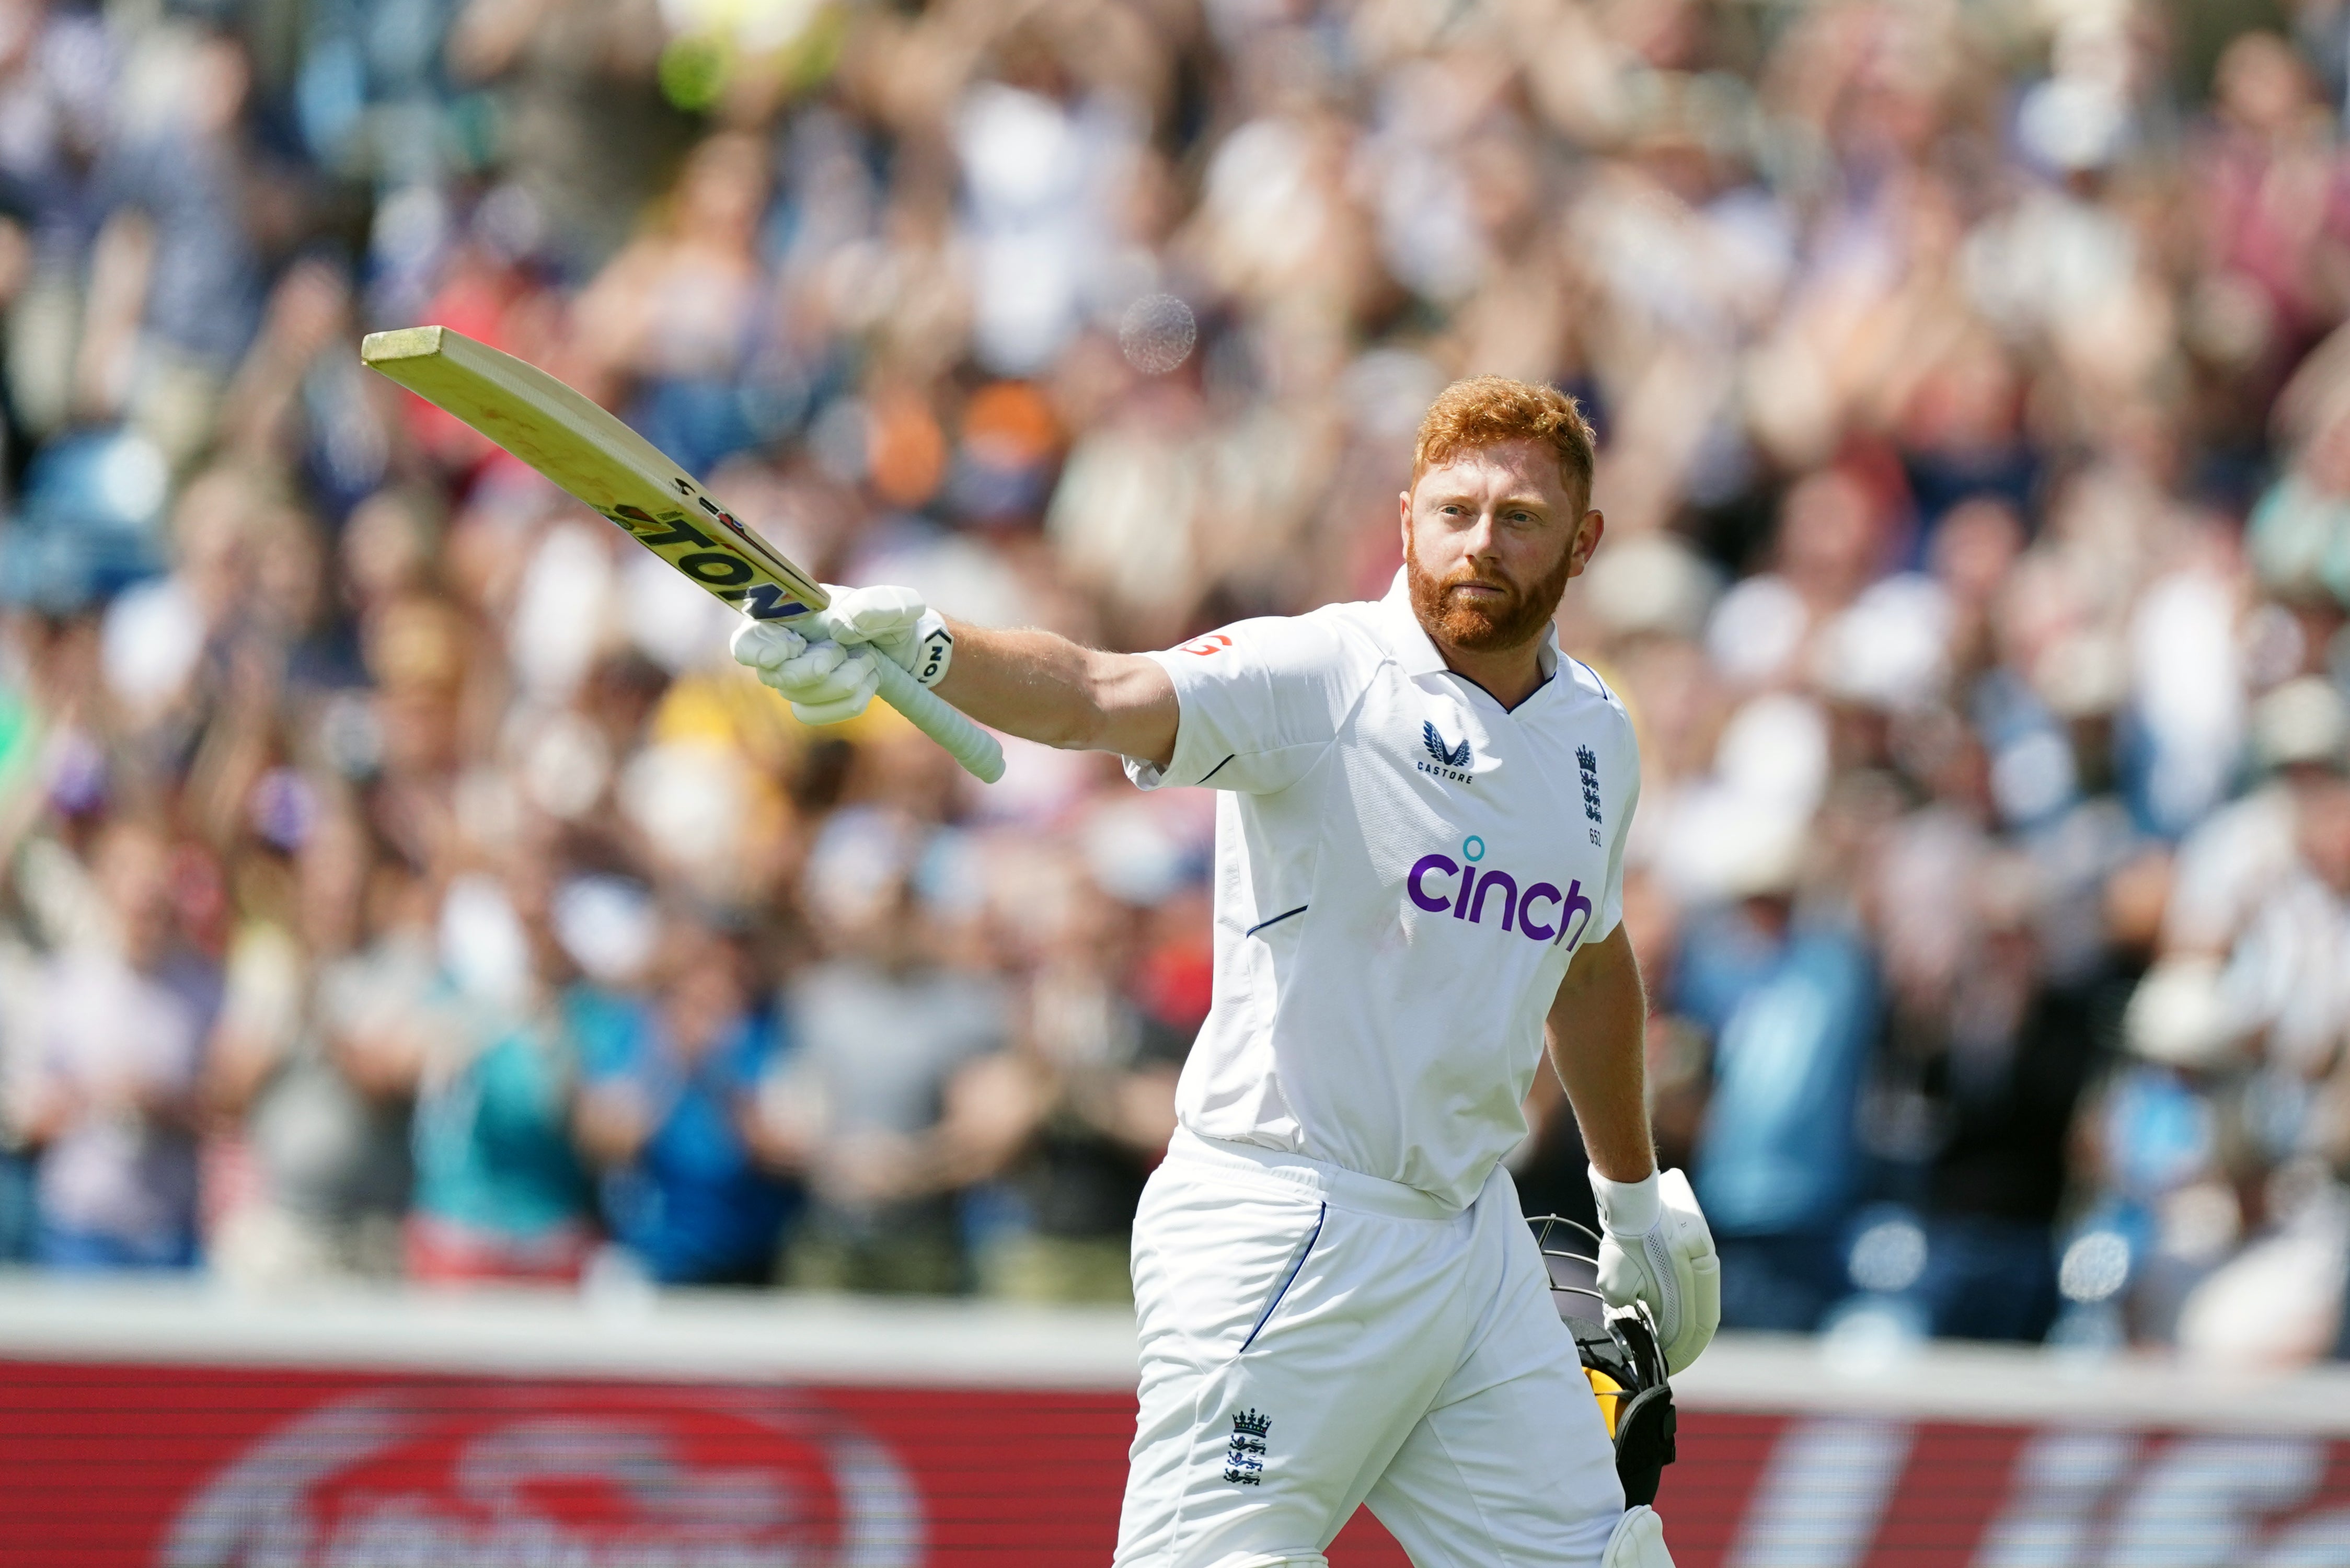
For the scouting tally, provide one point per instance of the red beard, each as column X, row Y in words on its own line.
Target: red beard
column 1479, row 622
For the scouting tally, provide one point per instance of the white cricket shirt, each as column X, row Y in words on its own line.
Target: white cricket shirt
column 1403, row 869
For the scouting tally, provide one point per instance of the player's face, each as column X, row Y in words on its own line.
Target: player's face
column 1490, row 540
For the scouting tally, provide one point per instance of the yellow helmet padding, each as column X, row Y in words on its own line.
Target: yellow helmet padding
column 1610, row 1395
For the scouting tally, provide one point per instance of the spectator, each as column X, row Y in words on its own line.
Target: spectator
column 666, row 1109
column 1095, row 1073
column 875, row 1107
column 183, row 248
column 114, row 1094
column 17, row 1208
column 500, row 1192
column 313, row 1068
column 2243, row 1242
column 2005, row 1058
column 1791, row 1004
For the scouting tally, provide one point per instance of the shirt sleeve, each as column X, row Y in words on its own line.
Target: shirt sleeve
column 1611, row 908
column 1259, row 703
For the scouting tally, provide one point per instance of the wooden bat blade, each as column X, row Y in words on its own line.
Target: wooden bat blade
column 591, row 453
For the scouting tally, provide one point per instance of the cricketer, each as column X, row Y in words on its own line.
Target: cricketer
column 1419, row 847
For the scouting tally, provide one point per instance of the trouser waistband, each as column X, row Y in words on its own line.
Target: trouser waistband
column 1332, row 1183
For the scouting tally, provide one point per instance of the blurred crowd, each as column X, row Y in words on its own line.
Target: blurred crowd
column 401, row 883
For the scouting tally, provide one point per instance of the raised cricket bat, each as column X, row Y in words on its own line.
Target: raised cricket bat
column 590, row 452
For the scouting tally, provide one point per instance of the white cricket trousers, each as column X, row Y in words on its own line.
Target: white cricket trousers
column 1313, row 1339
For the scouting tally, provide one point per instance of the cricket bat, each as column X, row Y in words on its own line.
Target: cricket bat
column 590, row 452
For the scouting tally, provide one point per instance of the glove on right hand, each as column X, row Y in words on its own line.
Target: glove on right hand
column 833, row 679
column 825, row 682
column 1638, row 1541
column 896, row 622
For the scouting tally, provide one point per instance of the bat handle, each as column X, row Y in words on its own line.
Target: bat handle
column 965, row 742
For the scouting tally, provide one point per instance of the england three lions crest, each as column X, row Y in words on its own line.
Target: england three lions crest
column 1244, row 1454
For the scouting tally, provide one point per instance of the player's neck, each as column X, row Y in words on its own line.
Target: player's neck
column 1508, row 675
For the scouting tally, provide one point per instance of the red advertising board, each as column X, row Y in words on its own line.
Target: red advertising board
column 108, row 1465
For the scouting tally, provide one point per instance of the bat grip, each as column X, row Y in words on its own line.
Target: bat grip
column 973, row 747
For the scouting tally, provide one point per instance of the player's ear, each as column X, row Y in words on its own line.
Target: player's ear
column 1403, row 507
column 1587, row 540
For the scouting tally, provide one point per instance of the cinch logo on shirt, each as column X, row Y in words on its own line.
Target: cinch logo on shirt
column 1541, row 913
column 1450, row 760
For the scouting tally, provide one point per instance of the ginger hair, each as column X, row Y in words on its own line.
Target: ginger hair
column 1486, row 409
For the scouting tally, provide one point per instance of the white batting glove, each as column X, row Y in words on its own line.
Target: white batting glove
column 827, row 682
column 898, row 624
column 1655, row 1249
column 761, row 645
column 1639, row 1540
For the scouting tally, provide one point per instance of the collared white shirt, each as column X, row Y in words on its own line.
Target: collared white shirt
column 1403, row 870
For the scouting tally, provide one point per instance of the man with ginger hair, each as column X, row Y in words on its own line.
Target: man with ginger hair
column 1419, row 842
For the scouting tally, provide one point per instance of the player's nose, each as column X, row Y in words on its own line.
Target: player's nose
column 1483, row 536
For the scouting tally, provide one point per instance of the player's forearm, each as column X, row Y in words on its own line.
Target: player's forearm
column 1042, row 687
column 1597, row 1034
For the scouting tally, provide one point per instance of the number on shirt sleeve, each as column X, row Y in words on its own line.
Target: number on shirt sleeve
column 1260, row 702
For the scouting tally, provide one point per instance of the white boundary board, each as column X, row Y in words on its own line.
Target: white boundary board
column 798, row 1338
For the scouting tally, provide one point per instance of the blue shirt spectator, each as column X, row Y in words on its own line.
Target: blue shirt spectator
column 1792, row 1011
column 668, row 1097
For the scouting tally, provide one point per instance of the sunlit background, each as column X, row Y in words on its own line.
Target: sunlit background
column 405, row 896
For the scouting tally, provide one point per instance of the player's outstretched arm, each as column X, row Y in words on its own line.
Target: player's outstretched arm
column 1654, row 1245
column 1034, row 684
column 1041, row 685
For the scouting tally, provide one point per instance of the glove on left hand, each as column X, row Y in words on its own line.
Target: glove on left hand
column 1655, row 1248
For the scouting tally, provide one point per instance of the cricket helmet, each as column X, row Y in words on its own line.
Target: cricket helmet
column 1621, row 1357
